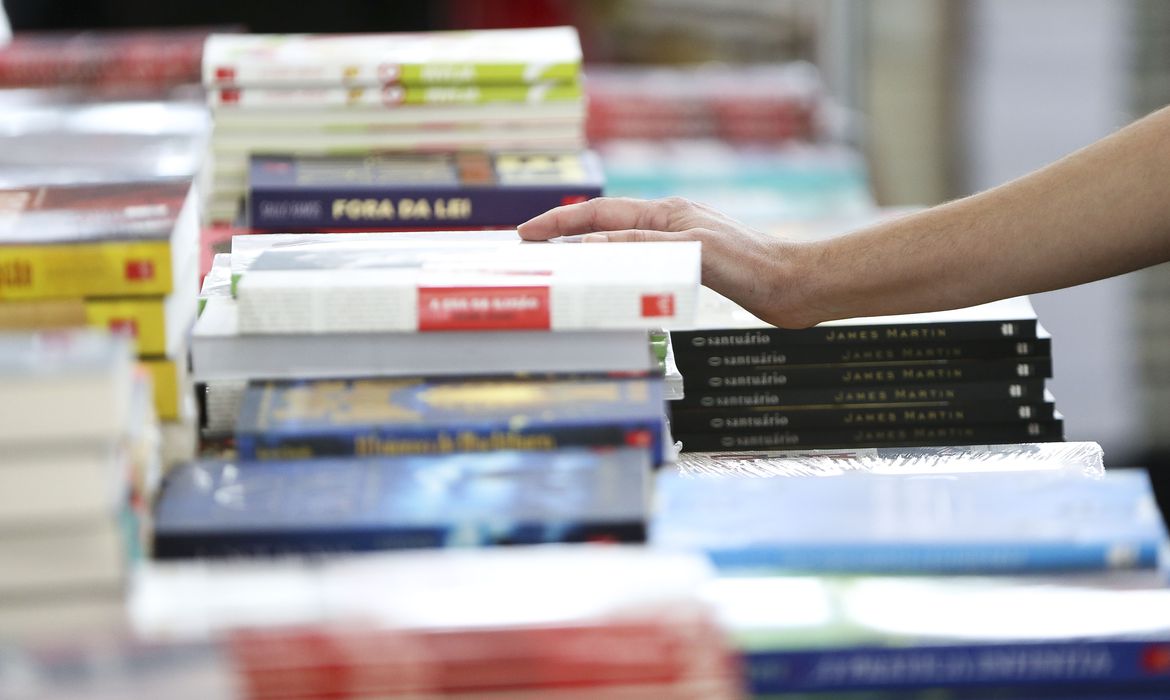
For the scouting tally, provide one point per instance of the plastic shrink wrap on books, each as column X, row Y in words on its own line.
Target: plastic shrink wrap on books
column 1084, row 459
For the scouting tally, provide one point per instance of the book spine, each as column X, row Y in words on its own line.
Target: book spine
column 303, row 209
column 824, row 353
column 166, row 377
column 1031, row 390
column 1083, row 664
column 390, row 96
column 221, row 72
column 387, row 442
column 143, row 319
column 308, row 305
column 335, row 540
column 946, row 558
column 134, row 268
column 930, row 372
column 967, row 434
column 753, row 339
column 893, row 416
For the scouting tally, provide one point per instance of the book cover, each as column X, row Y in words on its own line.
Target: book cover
column 435, row 287
column 868, row 374
column 975, row 523
column 246, row 248
column 823, row 417
column 389, row 96
column 366, row 418
column 475, row 57
column 467, row 189
column 124, row 239
column 699, row 398
column 452, row 500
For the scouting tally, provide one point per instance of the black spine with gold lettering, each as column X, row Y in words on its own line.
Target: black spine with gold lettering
column 875, row 436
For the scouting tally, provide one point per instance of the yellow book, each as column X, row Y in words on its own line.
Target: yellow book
column 109, row 239
column 171, row 386
column 158, row 325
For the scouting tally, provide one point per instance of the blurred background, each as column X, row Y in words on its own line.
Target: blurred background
column 886, row 104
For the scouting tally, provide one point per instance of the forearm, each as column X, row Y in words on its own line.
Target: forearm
column 1101, row 211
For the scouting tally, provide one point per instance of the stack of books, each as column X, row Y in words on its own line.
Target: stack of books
column 119, row 256
column 947, row 571
column 425, row 97
column 750, row 104
column 78, row 438
column 549, row 622
column 971, row 376
column 106, row 64
column 387, row 359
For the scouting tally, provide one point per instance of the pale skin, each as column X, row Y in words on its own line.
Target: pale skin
column 1099, row 212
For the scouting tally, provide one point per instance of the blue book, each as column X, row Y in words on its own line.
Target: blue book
column 990, row 522
column 973, row 636
column 405, row 191
column 396, row 417
column 471, row 499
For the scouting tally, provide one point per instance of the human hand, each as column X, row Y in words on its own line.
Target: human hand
column 753, row 269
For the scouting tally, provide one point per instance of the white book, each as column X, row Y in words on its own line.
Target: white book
column 283, row 110
column 504, row 56
column 62, row 483
column 363, row 288
column 219, row 352
column 62, row 386
column 87, row 557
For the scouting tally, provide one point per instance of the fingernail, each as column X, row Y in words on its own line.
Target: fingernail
column 595, row 238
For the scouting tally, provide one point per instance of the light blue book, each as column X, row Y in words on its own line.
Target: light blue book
column 859, row 522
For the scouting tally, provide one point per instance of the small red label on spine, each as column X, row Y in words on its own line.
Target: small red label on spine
column 225, row 74
column 483, row 308
column 138, row 270
column 655, row 305
column 124, row 325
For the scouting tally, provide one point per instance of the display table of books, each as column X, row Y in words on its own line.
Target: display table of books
column 452, row 464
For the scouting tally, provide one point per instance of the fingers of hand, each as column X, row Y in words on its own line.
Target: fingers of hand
column 643, row 236
column 605, row 214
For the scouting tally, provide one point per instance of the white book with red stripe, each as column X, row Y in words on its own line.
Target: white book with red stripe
column 372, row 287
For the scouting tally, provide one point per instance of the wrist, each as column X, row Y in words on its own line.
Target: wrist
column 801, row 284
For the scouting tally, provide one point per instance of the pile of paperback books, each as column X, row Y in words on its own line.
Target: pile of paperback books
column 425, row 117
column 970, row 376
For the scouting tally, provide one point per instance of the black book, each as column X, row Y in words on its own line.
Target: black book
column 979, row 434
column 890, row 416
column 885, row 374
column 822, row 354
column 1009, row 319
column 1030, row 390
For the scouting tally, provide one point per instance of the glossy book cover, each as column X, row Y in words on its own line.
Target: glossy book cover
column 385, row 417
column 469, row 499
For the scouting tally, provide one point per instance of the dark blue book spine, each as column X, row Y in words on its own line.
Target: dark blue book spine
column 1081, row 663
column 310, row 209
column 386, row 441
column 184, row 545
